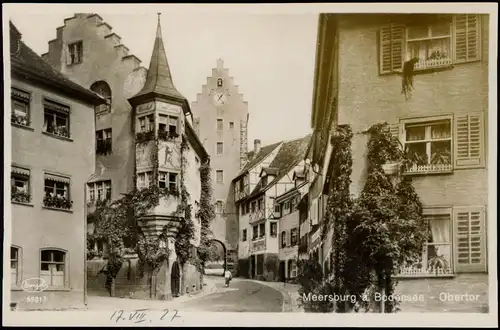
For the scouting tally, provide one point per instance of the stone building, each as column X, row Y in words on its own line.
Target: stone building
column 220, row 119
column 53, row 146
column 443, row 124
column 144, row 136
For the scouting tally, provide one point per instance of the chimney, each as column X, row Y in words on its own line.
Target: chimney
column 256, row 146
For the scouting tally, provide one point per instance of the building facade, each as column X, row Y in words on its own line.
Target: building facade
column 220, row 119
column 268, row 174
column 52, row 158
column 442, row 124
column 144, row 136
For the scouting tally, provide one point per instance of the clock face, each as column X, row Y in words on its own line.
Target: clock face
column 219, row 98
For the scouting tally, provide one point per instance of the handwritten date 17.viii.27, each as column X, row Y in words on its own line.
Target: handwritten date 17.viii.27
column 140, row 316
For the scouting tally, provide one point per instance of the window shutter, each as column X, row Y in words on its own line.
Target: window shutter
column 394, row 129
column 469, row 145
column 391, row 48
column 68, row 55
column 470, row 239
column 467, row 46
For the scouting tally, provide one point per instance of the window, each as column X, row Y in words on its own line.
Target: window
column 220, row 148
column 254, row 205
column 277, row 208
column 144, row 179
column 292, row 205
column 53, row 267
column 20, row 114
column 244, row 235
column 293, row 236
column 219, row 176
column 14, row 265
column 20, row 185
column 259, row 204
column 99, row 191
column 274, row 229
column 231, row 125
column 56, row 118
column 102, row 88
column 219, row 207
column 470, row 238
column 437, row 44
column 167, row 127
column 262, row 229
column 146, row 123
column 437, row 251
column 219, row 82
column 57, row 192
column 255, row 232
column 103, row 141
column 220, row 124
column 430, row 44
column 283, row 239
column 428, row 145
column 75, row 52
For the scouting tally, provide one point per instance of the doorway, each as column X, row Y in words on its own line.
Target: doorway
column 282, row 271
column 175, row 283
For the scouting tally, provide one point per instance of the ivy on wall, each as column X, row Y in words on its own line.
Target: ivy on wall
column 116, row 222
column 374, row 234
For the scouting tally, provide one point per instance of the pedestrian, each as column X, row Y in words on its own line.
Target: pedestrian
column 227, row 277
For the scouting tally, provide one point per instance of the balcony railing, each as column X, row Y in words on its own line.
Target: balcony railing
column 258, row 245
column 432, row 64
column 414, row 271
column 429, row 168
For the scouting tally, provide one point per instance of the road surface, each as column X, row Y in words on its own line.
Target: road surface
column 241, row 296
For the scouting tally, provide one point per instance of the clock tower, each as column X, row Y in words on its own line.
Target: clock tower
column 220, row 119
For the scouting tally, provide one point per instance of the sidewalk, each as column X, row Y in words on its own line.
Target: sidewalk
column 289, row 291
column 96, row 303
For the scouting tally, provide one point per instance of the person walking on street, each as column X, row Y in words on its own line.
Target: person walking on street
column 227, row 277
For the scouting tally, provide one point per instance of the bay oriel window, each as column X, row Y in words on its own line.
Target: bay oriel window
column 168, row 127
column 145, row 128
column 20, row 185
column 168, row 180
column 56, row 118
column 57, row 194
column 53, row 268
column 20, row 101
column 440, row 41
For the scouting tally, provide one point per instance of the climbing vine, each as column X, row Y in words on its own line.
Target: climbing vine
column 374, row 234
column 407, row 77
column 116, row 223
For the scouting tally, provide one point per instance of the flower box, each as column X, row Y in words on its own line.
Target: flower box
column 58, row 202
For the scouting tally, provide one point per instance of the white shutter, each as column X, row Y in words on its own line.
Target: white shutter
column 391, row 48
column 469, row 140
column 470, row 239
column 394, row 130
column 467, row 35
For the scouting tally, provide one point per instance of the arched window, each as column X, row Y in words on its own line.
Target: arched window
column 54, row 267
column 102, row 88
column 15, row 265
column 219, row 82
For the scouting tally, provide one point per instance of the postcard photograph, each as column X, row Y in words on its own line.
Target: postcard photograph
column 224, row 164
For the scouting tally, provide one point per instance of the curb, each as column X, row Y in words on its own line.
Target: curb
column 287, row 306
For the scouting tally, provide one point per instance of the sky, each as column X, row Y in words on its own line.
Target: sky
column 269, row 55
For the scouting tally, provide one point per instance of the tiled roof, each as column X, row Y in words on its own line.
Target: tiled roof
column 289, row 155
column 28, row 63
column 254, row 160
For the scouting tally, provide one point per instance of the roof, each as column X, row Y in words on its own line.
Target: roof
column 269, row 171
column 289, row 155
column 256, row 159
column 28, row 64
column 159, row 78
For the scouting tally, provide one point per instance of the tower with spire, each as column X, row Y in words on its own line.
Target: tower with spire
column 168, row 153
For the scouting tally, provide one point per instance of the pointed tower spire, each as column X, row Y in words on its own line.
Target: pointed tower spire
column 159, row 78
